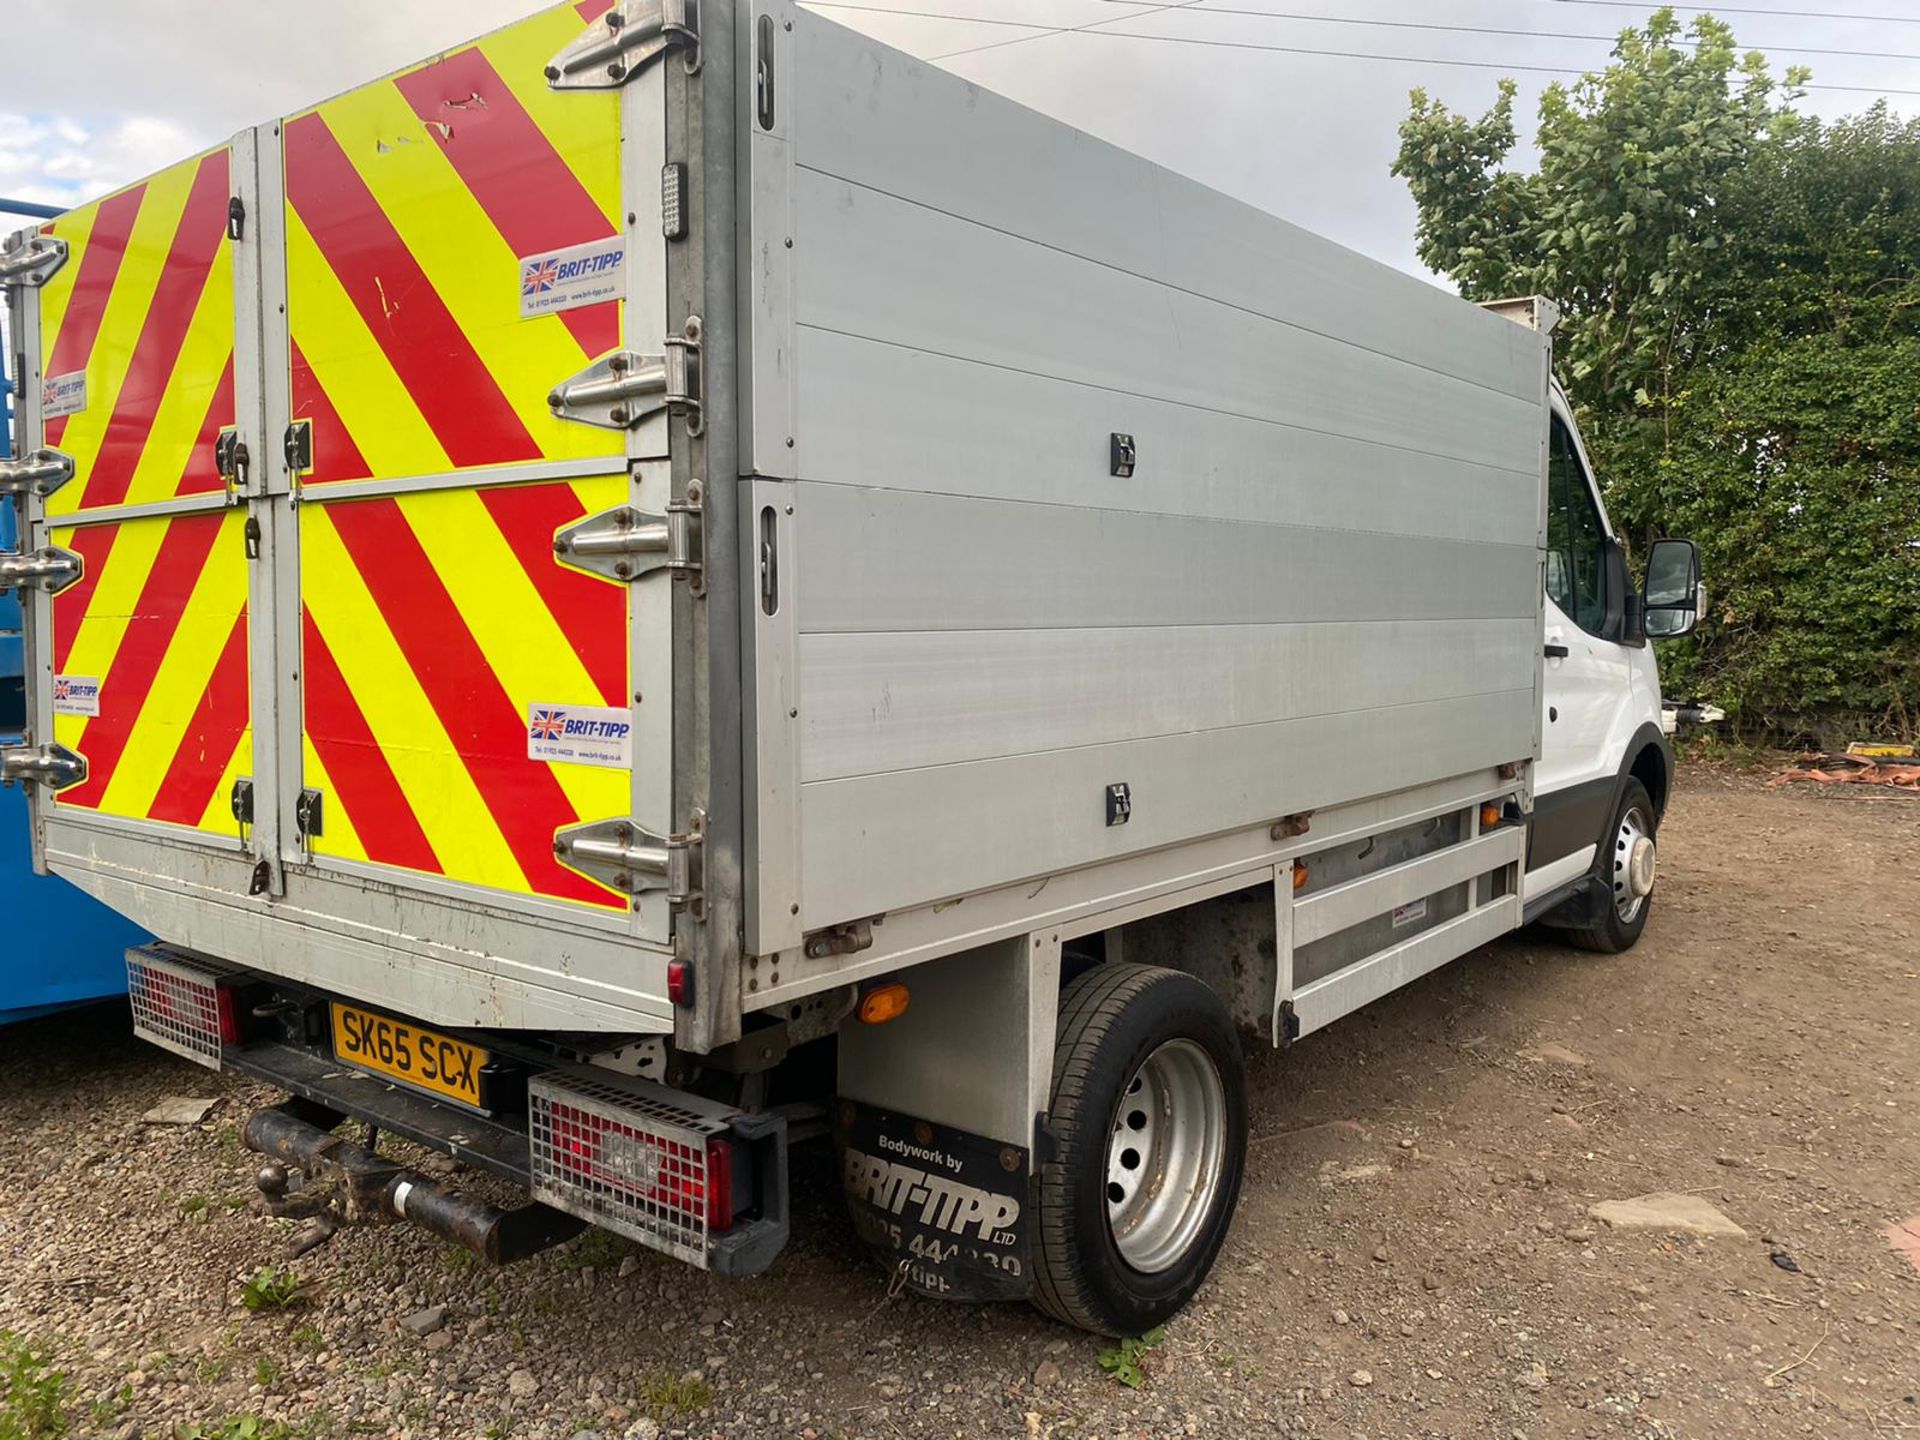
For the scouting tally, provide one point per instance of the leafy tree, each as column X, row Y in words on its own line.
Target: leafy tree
column 1740, row 289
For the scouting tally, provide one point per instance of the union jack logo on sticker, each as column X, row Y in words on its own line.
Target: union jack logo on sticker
column 63, row 395
column 580, row 735
column 588, row 274
column 76, row 695
column 540, row 276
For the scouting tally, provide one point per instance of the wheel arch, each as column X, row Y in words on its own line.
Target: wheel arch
column 1649, row 759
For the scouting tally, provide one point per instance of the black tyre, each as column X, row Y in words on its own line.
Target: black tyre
column 1623, row 873
column 1150, row 1110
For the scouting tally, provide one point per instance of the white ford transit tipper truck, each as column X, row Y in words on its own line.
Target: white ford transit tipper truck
column 675, row 579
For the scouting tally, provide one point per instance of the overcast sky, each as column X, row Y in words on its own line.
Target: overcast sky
column 130, row 85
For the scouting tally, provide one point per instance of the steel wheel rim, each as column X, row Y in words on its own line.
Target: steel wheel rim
column 1165, row 1155
column 1628, row 897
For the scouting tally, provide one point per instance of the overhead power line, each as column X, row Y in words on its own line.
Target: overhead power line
column 1210, row 9
column 1651, row 5
column 1091, row 25
column 1098, row 29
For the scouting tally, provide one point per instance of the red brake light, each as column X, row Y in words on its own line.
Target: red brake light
column 719, row 1185
column 229, row 1010
column 652, row 1172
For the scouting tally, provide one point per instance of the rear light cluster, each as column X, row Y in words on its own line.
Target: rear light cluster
column 183, row 1006
column 634, row 1157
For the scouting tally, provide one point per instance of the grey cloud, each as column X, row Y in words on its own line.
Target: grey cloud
column 1307, row 137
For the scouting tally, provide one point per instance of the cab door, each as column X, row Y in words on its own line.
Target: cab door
column 1587, row 694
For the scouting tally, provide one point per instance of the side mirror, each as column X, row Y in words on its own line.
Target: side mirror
column 1675, row 596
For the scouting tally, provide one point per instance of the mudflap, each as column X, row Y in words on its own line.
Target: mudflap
column 946, row 1209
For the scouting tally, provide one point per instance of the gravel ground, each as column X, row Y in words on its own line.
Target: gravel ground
column 1412, row 1257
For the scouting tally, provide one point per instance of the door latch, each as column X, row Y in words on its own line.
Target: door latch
column 236, row 217
column 241, row 800
column 232, row 459
column 253, row 537
column 299, row 447
column 308, row 815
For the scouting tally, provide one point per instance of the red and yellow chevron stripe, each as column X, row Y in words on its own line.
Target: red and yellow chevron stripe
column 434, row 620
column 144, row 306
column 410, row 203
column 160, row 620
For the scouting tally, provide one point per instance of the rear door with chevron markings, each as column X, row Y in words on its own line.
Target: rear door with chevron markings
column 359, row 653
column 434, row 223
column 149, row 650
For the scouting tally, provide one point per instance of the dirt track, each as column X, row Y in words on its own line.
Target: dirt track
column 1412, row 1256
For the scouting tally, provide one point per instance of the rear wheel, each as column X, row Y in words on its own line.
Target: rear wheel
column 1623, row 872
column 1150, row 1110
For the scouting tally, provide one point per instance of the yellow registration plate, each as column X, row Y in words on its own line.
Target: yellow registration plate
column 407, row 1052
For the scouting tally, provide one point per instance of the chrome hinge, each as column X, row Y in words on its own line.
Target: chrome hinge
column 633, row 859
column 624, row 41
column 620, row 390
column 54, row 766
column 41, row 471
column 31, row 258
column 625, row 543
column 50, row 569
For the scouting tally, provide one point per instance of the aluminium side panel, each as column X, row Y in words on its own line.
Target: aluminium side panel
column 767, row 582
column 1319, row 583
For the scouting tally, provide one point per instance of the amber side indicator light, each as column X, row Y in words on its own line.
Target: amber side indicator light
column 883, row 1003
column 1489, row 816
column 1299, row 874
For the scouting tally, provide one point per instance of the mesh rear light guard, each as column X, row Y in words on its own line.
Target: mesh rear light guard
column 634, row 1157
column 176, row 1005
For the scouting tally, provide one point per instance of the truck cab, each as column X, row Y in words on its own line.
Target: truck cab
column 1605, row 769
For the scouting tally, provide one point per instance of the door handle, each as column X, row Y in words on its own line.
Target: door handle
column 1557, row 652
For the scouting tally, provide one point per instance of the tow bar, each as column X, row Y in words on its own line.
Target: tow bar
column 347, row 1183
